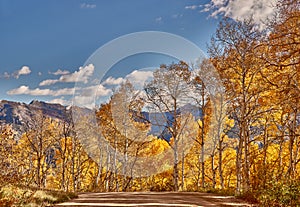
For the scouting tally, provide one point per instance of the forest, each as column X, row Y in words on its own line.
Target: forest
column 244, row 140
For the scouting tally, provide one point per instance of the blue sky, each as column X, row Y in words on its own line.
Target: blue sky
column 45, row 44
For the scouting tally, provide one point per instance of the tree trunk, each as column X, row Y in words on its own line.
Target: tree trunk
column 246, row 161
column 175, row 170
column 239, row 166
column 38, row 172
column 108, row 170
column 213, row 171
column 220, row 164
column 182, row 171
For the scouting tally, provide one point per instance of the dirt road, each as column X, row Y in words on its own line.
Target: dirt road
column 154, row 199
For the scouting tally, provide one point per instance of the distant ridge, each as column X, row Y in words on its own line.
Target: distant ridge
column 18, row 114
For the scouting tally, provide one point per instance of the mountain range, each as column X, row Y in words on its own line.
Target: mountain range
column 20, row 114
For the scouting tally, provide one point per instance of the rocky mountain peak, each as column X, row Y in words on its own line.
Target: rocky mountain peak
column 18, row 114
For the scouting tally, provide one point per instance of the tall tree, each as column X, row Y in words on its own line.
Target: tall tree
column 37, row 145
column 200, row 96
column 124, row 128
column 126, row 106
column 166, row 94
column 233, row 51
column 283, row 62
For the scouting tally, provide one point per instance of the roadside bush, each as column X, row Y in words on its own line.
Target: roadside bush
column 12, row 195
column 280, row 193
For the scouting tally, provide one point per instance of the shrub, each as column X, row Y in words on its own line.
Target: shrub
column 280, row 193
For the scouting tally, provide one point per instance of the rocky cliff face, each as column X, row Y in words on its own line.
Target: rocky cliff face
column 19, row 114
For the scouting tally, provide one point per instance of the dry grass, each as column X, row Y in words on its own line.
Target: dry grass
column 20, row 196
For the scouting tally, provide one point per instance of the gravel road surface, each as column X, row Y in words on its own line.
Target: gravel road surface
column 154, row 199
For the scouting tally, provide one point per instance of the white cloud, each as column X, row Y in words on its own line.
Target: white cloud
column 87, row 6
column 113, row 81
column 260, row 10
column 60, row 72
column 40, row 73
column 25, row 70
column 63, row 91
column 94, row 91
column 25, row 90
column 138, row 77
column 102, row 91
column 82, row 75
column 192, row 7
column 61, row 101
column 82, row 101
column 48, row 82
column 85, row 97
